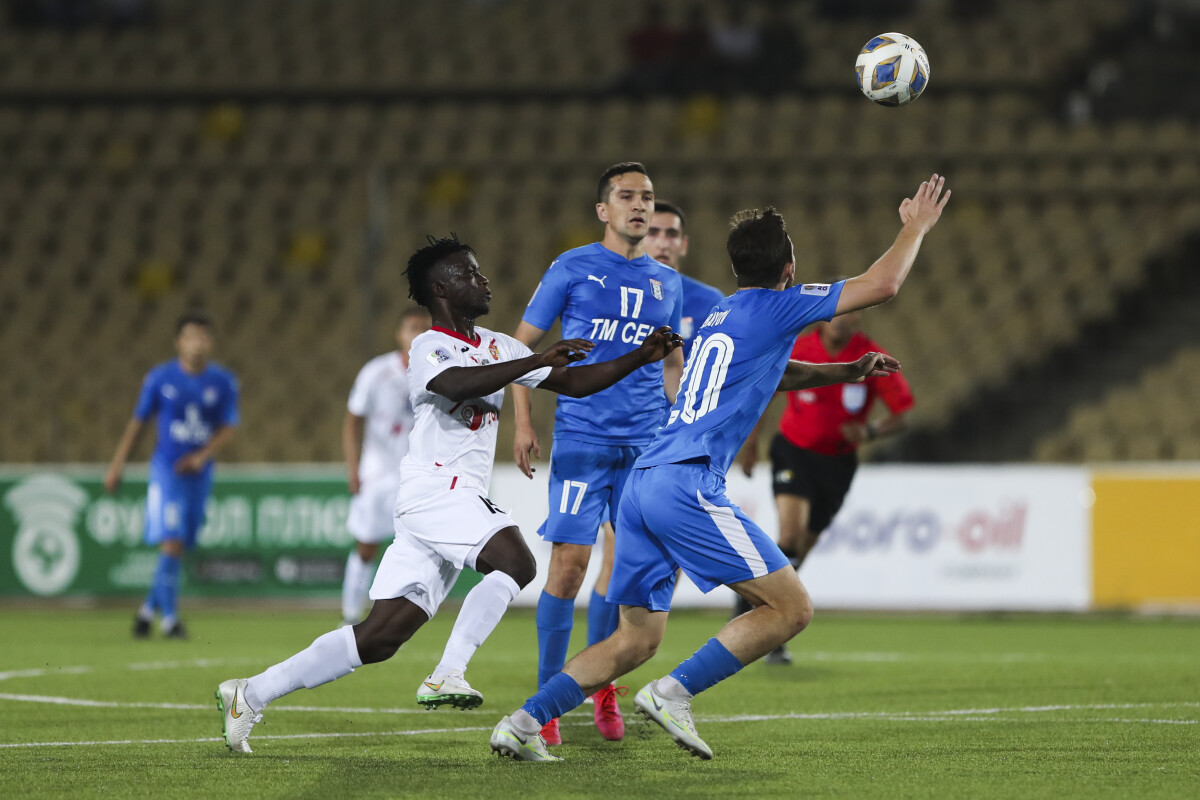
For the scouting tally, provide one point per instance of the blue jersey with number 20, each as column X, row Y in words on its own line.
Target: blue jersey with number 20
column 737, row 359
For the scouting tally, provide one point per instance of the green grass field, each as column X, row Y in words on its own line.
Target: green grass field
column 875, row 706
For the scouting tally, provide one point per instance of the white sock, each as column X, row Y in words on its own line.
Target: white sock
column 480, row 614
column 355, row 586
column 670, row 688
column 523, row 721
column 329, row 657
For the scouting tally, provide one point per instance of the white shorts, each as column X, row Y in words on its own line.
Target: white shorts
column 370, row 518
column 439, row 531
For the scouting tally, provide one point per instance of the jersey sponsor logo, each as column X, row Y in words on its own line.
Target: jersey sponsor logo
column 192, row 429
column 609, row 330
column 818, row 289
column 169, row 391
column 473, row 416
column 494, row 350
column 806, row 396
column 854, row 397
column 599, row 280
column 656, row 289
column 437, row 356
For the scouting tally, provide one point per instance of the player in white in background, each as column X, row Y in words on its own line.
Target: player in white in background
column 379, row 417
column 444, row 519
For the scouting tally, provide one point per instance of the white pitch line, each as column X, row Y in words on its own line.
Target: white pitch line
column 950, row 715
column 73, row 701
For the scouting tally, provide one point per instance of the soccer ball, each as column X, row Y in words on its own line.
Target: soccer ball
column 892, row 69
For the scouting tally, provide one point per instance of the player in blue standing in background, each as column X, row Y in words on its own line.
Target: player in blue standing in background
column 613, row 294
column 667, row 243
column 196, row 404
column 674, row 512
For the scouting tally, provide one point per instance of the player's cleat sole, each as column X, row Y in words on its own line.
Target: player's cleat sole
column 551, row 734
column 674, row 717
column 508, row 741
column 448, row 690
column 141, row 628
column 237, row 718
column 779, row 655
column 607, row 713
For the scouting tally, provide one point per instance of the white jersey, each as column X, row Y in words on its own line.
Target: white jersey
column 381, row 397
column 457, row 438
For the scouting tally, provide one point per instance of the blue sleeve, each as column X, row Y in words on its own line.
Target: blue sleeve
column 806, row 304
column 549, row 298
column 230, row 414
column 147, row 403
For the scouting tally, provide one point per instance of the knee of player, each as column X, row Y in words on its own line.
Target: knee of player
column 524, row 571
column 801, row 615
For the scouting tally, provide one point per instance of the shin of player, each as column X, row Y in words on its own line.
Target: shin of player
column 196, row 405
column 613, row 293
column 379, row 419
column 674, row 513
column 444, row 519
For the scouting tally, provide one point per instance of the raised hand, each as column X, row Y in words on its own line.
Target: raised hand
column 873, row 365
column 924, row 208
column 660, row 344
column 565, row 352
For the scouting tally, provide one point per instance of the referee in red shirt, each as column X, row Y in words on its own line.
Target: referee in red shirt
column 815, row 454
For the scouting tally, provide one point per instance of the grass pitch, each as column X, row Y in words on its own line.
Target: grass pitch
column 874, row 706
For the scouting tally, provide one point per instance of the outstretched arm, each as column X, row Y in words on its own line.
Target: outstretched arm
column 883, row 279
column 463, row 383
column 803, row 375
column 591, row 378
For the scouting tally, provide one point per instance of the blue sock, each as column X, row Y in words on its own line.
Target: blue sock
column 707, row 667
column 557, row 696
column 165, row 588
column 555, row 617
column 602, row 618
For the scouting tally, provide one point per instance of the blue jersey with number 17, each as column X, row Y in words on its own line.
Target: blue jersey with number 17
column 737, row 359
column 615, row 302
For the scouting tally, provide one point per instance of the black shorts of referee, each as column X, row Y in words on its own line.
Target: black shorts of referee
column 822, row 480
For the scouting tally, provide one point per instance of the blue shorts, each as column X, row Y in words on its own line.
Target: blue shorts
column 677, row 515
column 175, row 506
column 586, row 482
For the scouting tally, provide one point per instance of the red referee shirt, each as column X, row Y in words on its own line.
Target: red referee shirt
column 814, row 417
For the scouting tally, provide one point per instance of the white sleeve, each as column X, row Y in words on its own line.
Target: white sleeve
column 359, row 403
column 430, row 356
column 513, row 350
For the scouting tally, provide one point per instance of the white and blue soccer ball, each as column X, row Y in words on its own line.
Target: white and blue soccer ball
column 892, row 69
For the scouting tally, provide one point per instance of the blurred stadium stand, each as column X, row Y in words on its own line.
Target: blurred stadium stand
column 221, row 155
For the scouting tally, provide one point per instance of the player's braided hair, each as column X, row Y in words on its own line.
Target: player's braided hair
column 422, row 263
column 758, row 247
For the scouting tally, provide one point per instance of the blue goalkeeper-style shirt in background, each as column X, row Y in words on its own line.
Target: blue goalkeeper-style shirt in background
column 189, row 410
column 698, row 299
column 614, row 302
column 738, row 357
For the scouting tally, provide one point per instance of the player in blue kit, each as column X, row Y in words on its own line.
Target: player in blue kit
column 667, row 243
column 196, row 404
column 674, row 512
column 613, row 294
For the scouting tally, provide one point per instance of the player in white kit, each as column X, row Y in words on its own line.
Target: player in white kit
column 379, row 418
column 444, row 519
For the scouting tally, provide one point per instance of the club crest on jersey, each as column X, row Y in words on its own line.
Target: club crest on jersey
column 438, row 356
column 494, row 350
column 854, row 397
column 819, row 289
column 210, row 395
column 656, row 289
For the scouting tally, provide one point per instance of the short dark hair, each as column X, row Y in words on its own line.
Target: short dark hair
column 193, row 317
column 758, row 247
column 422, row 262
column 411, row 312
column 663, row 207
column 604, row 187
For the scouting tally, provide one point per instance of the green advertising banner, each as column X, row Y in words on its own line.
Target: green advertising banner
column 270, row 533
